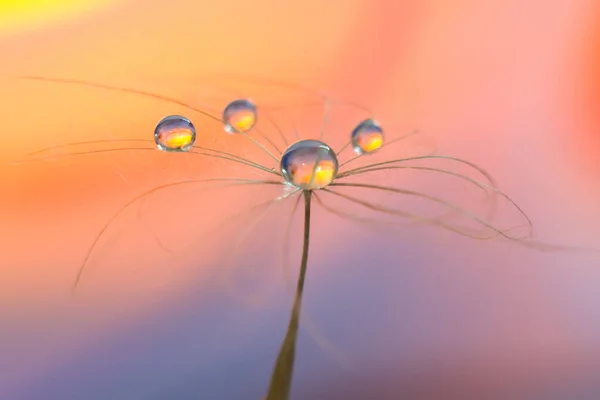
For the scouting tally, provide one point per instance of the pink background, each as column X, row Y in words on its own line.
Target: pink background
column 513, row 86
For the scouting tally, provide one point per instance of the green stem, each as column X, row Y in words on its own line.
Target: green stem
column 281, row 378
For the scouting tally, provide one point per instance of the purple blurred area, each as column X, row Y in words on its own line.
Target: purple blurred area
column 468, row 325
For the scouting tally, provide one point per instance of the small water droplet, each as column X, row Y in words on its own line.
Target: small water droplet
column 175, row 134
column 309, row 165
column 367, row 137
column 239, row 116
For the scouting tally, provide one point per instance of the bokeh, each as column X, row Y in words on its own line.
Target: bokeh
column 509, row 85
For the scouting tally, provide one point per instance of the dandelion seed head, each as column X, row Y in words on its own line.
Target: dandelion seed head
column 309, row 165
column 175, row 134
column 239, row 116
column 368, row 195
column 367, row 137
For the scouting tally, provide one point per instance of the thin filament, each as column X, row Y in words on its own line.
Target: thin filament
column 401, row 160
column 424, row 196
column 492, row 186
column 58, row 147
column 523, row 241
column 137, row 92
column 263, row 148
column 123, row 90
column 279, row 130
column 236, row 94
column 480, row 185
column 348, row 143
column 270, row 81
column 325, row 118
column 387, row 144
column 150, row 192
column 250, row 227
column 389, row 224
column 232, row 158
column 430, row 221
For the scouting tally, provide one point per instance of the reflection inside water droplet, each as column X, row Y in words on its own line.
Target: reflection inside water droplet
column 367, row 137
column 239, row 116
column 175, row 134
column 309, row 165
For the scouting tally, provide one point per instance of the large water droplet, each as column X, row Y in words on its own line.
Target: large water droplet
column 239, row 116
column 175, row 134
column 309, row 165
column 367, row 137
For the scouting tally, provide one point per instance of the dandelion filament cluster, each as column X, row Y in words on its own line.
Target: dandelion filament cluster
column 310, row 167
column 306, row 164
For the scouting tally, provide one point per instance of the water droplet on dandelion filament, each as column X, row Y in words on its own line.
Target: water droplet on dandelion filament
column 175, row 134
column 367, row 137
column 239, row 116
column 309, row 165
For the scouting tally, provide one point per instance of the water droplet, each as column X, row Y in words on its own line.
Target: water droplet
column 239, row 116
column 367, row 137
column 175, row 134
column 309, row 165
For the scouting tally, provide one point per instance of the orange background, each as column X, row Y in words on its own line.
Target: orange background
column 508, row 85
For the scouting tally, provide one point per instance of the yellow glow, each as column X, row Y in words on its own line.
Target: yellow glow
column 320, row 176
column 244, row 122
column 324, row 173
column 20, row 14
column 177, row 138
column 370, row 143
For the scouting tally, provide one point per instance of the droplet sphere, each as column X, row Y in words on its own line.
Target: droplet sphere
column 367, row 137
column 175, row 134
column 239, row 116
column 309, row 165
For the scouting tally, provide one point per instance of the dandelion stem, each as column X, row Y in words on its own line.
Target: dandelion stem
column 281, row 378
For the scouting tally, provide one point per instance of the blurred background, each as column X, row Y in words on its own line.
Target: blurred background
column 512, row 86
